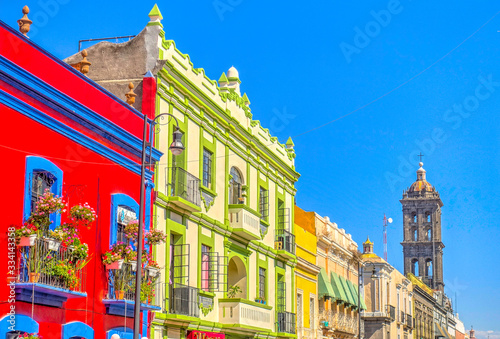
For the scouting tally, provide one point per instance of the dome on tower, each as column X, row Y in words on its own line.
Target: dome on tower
column 233, row 73
column 421, row 184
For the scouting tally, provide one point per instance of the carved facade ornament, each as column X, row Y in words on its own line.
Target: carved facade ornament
column 84, row 64
column 130, row 94
column 24, row 23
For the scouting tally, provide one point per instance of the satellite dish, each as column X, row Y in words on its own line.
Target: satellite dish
column 389, row 220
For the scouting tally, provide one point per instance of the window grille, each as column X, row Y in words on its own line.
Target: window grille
column 207, row 168
column 284, row 219
column 264, row 204
column 213, row 271
column 262, row 282
column 41, row 180
column 281, row 307
column 235, row 184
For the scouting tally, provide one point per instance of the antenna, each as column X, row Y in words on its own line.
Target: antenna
column 386, row 220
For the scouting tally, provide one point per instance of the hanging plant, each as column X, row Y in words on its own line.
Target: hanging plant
column 155, row 237
column 82, row 215
column 132, row 230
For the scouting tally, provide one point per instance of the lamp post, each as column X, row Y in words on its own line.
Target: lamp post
column 176, row 147
column 360, row 282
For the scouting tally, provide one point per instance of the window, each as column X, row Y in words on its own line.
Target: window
column 205, row 268
column 264, row 204
column 415, row 235
column 300, row 315
column 207, row 168
column 311, row 314
column 262, row 283
column 281, row 307
column 429, row 234
column 414, row 217
column 42, row 180
column 414, row 267
column 235, row 184
column 123, row 210
column 428, row 217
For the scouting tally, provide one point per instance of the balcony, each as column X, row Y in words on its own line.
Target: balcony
column 245, row 222
column 120, row 299
column 245, row 315
column 345, row 323
column 402, row 317
column 182, row 190
column 409, row 321
column 391, row 312
column 286, row 323
column 184, row 300
column 48, row 273
column 284, row 243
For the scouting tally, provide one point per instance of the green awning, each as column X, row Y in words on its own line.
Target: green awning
column 337, row 287
column 350, row 298
column 324, row 286
column 354, row 290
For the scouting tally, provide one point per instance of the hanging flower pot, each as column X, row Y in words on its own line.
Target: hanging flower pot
column 28, row 241
column 115, row 265
column 133, row 265
column 119, row 294
column 34, row 277
column 152, row 271
column 52, row 244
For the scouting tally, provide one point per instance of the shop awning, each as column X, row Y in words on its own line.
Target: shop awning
column 442, row 332
column 348, row 293
column 337, row 287
column 324, row 286
column 354, row 290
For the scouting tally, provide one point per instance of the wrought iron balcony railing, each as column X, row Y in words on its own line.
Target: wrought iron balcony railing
column 121, row 285
column 286, row 322
column 284, row 240
column 182, row 184
column 391, row 312
column 409, row 320
column 46, row 262
column 183, row 300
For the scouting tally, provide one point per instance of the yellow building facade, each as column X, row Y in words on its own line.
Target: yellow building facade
column 306, row 274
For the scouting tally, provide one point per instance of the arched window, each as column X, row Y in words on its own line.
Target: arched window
column 429, row 234
column 415, row 234
column 123, row 210
column 235, row 184
column 428, row 268
column 428, row 217
column 414, row 217
column 414, row 267
column 41, row 175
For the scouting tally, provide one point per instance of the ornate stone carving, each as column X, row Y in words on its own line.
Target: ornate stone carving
column 24, row 23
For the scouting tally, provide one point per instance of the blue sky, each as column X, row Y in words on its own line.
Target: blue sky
column 423, row 83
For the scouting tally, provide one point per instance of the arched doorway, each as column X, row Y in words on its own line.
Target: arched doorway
column 237, row 276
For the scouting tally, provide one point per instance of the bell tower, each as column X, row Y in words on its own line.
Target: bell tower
column 422, row 245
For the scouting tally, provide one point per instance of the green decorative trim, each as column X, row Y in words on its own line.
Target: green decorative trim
column 180, row 63
column 206, row 310
column 245, row 301
column 155, row 12
column 206, row 195
column 223, row 78
column 238, row 249
column 155, row 23
column 245, row 207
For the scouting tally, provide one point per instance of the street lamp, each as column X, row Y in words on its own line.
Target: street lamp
column 360, row 282
column 176, row 147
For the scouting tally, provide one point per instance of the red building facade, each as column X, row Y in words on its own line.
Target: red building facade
column 62, row 132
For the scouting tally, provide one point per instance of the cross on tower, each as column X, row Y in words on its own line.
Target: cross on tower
column 420, row 156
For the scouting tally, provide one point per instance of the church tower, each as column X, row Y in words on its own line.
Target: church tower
column 422, row 246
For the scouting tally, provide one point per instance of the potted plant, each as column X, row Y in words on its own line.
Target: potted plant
column 26, row 235
column 147, row 291
column 131, row 230
column 233, row 291
column 82, row 215
column 155, row 237
column 153, row 268
column 46, row 205
column 29, row 336
column 112, row 260
column 54, row 239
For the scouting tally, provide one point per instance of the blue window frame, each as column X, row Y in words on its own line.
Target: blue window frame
column 40, row 174
column 22, row 323
column 77, row 329
column 123, row 209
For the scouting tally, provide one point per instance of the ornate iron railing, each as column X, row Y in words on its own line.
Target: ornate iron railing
column 121, row 285
column 409, row 320
column 391, row 311
column 45, row 261
column 181, row 183
column 183, row 300
column 284, row 240
column 286, row 322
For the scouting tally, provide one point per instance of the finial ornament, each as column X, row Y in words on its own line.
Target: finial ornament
column 421, row 164
column 24, row 23
column 84, row 64
column 130, row 94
